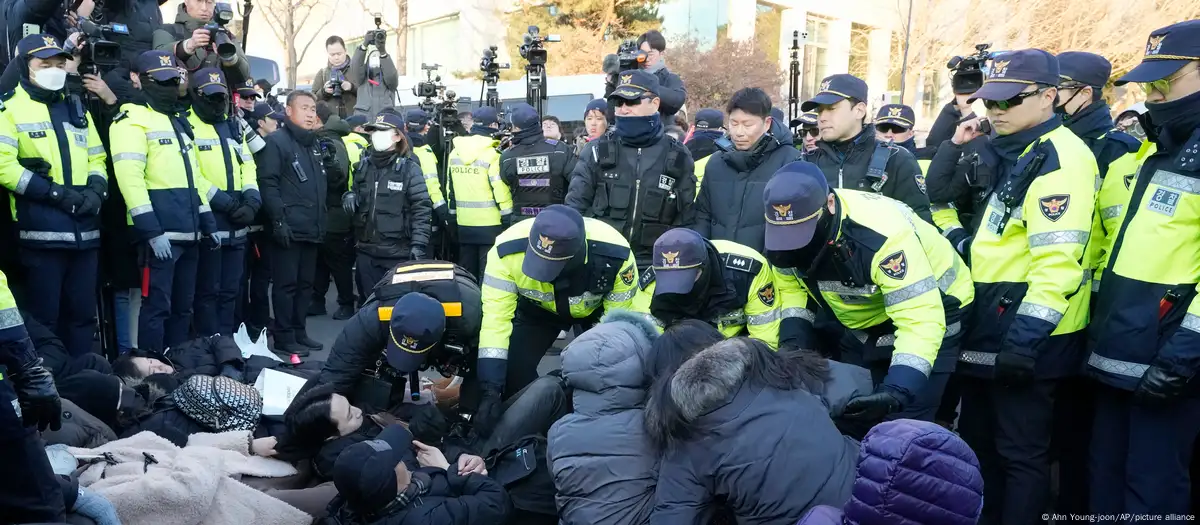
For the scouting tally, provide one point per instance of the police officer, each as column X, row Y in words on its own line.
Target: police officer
column 388, row 203
column 537, row 169
column 335, row 256
column 416, row 123
column 226, row 162
column 850, row 155
column 479, row 199
column 692, row 278
column 154, row 159
column 52, row 163
column 894, row 124
column 895, row 285
column 29, row 490
column 1147, row 318
column 809, row 132
column 427, row 314
column 1031, row 286
column 544, row 276
column 636, row 179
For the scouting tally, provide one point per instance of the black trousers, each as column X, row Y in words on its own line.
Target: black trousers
column 370, row 270
column 29, row 490
column 1010, row 428
column 165, row 319
column 336, row 259
column 64, row 298
column 217, row 289
column 255, row 306
column 529, row 411
column 292, row 270
column 473, row 258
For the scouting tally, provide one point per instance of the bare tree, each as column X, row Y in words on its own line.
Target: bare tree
column 714, row 75
column 288, row 20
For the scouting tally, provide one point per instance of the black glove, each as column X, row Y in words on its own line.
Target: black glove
column 242, row 215
column 1159, row 386
column 90, row 205
column 282, row 234
column 71, row 201
column 1013, row 368
column 488, row 414
column 872, row 407
column 39, row 400
column 506, row 221
column 418, row 252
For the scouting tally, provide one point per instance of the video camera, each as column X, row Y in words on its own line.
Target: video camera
column 97, row 54
column 489, row 66
column 432, row 88
column 630, row 56
column 377, row 36
column 968, row 70
column 533, row 46
column 222, row 15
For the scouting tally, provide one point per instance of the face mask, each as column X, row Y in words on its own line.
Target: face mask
column 647, row 127
column 373, row 61
column 51, row 78
column 382, row 140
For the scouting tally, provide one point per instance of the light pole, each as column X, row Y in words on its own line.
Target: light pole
column 904, row 65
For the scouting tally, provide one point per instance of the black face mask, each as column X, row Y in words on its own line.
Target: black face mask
column 163, row 97
column 804, row 258
column 672, row 307
column 211, row 108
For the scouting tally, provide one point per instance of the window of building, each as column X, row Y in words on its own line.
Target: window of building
column 768, row 25
column 860, row 50
column 816, row 56
column 427, row 44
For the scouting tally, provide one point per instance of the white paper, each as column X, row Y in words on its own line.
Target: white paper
column 253, row 347
column 277, row 389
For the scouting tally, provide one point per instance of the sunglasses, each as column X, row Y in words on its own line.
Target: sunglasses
column 890, row 128
column 1164, row 85
column 636, row 102
column 1005, row 105
column 812, row 132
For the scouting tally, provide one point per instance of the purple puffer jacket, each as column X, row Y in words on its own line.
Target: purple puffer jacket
column 910, row 473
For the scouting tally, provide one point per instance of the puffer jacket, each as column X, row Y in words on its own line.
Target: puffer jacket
column 79, row 429
column 729, row 206
column 219, row 355
column 910, row 473
column 602, row 480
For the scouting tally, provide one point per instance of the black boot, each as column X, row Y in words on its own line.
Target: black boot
column 343, row 312
column 302, row 339
column 316, row 308
column 285, row 344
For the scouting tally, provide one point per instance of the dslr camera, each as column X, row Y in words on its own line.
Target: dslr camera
column 630, row 56
column 533, row 46
column 222, row 15
column 97, row 54
column 377, row 36
column 968, row 70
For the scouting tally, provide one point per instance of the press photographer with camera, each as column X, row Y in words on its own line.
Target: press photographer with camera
column 332, row 83
column 966, row 77
column 373, row 70
column 199, row 39
column 649, row 55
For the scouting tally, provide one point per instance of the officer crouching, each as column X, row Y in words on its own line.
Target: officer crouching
column 537, row 169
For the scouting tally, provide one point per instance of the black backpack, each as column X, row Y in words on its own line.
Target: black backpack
column 524, row 469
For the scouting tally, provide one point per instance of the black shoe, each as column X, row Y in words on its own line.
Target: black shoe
column 343, row 312
column 293, row 349
column 316, row 308
column 304, row 340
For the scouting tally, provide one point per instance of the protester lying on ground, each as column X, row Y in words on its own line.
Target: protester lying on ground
column 382, row 481
column 151, row 481
column 209, row 356
column 910, row 473
column 79, row 429
column 744, row 423
column 602, row 480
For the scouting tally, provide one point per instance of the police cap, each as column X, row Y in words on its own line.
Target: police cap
column 636, row 84
column 1167, row 50
column 416, row 119
column 209, row 81
column 556, row 237
column 709, row 118
column 679, row 255
column 417, row 325
column 523, row 116
column 159, row 65
column 484, row 116
column 1079, row 67
column 386, row 120
column 792, row 201
column 836, row 88
column 1012, row 72
column 41, row 46
column 897, row 114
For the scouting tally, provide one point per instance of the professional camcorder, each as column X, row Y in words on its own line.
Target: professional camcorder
column 97, row 54
column 226, row 48
column 630, row 56
column 377, row 36
column 968, row 70
column 489, row 66
column 533, row 47
column 432, row 84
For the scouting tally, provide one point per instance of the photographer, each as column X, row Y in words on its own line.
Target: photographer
column 653, row 46
column 332, row 82
column 197, row 39
column 375, row 73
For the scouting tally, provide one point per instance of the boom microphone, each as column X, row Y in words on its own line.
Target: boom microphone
column 612, row 64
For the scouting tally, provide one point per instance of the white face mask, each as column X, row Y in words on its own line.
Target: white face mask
column 51, row 78
column 373, row 61
column 382, row 140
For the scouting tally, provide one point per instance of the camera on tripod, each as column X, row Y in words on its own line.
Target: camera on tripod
column 377, row 36
column 96, row 53
column 222, row 15
column 489, row 66
column 432, row 84
column 968, row 70
column 630, row 56
column 533, row 47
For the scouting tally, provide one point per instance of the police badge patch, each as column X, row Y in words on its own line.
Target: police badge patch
column 921, row 183
column 628, row 275
column 1054, row 206
column 766, row 294
column 895, row 265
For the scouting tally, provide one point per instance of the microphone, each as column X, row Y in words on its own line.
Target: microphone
column 612, row 64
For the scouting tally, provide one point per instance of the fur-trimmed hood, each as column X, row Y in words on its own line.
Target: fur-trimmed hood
column 609, row 366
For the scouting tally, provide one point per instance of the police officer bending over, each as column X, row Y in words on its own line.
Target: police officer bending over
column 544, row 276
column 1146, row 333
column 426, row 314
column 888, row 277
column 636, row 179
column 537, row 169
column 52, row 163
column 389, row 204
column 720, row 282
column 1030, row 283
column 851, row 156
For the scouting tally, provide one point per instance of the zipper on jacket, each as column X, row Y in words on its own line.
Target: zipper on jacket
column 374, row 199
column 840, row 181
column 637, row 192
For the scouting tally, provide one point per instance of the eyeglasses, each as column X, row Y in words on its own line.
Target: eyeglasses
column 890, row 128
column 1164, row 85
column 625, row 102
column 1005, row 105
column 812, row 132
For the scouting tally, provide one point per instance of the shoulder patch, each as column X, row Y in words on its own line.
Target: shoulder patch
column 895, row 265
column 741, row 263
column 766, row 294
column 121, row 116
column 921, row 182
column 629, row 275
column 608, row 249
column 507, row 248
column 1054, row 206
column 646, row 279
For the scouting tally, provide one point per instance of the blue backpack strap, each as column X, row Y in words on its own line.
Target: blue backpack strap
column 877, row 168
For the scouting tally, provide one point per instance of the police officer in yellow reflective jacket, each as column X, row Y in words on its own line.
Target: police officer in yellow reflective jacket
column 1145, row 333
column 720, row 282
column 226, row 162
column 884, row 274
column 1087, row 115
column 52, row 163
column 544, row 276
column 1031, row 285
column 416, row 125
column 154, row 159
column 479, row 199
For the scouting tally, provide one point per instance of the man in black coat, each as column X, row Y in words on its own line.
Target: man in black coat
column 292, row 180
column 672, row 92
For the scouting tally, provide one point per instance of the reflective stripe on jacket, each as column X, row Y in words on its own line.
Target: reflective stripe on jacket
column 479, row 196
column 228, row 165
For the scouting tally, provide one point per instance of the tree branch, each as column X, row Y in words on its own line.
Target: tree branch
column 304, row 51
